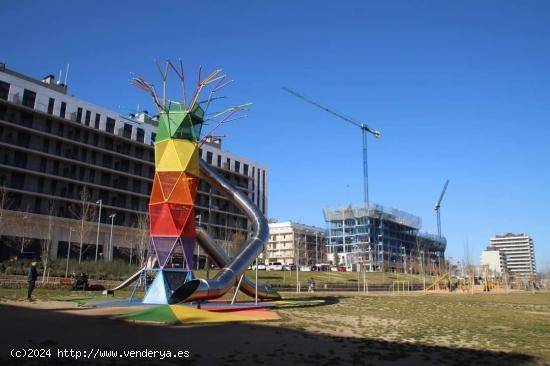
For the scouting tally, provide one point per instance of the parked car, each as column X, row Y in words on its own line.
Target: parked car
column 261, row 267
column 333, row 269
column 275, row 266
column 342, row 269
column 305, row 268
column 320, row 267
column 289, row 267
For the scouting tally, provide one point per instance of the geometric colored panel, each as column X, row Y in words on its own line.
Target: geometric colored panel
column 157, row 292
column 177, row 155
column 163, row 247
column 161, row 222
column 175, row 279
column 177, row 123
column 168, row 181
column 184, row 191
column 188, row 244
column 181, row 215
column 156, row 192
column 189, row 229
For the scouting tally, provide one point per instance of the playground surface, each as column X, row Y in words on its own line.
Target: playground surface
column 344, row 329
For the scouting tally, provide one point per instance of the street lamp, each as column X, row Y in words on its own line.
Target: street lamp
column 110, row 250
column 198, row 218
column 98, row 222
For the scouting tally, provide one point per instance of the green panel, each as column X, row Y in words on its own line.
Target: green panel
column 157, row 314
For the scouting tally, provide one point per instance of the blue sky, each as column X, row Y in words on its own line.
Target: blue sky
column 459, row 90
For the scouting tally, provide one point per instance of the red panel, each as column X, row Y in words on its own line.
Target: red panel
column 162, row 223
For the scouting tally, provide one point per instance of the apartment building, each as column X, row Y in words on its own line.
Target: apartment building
column 518, row 251
column 295, row 243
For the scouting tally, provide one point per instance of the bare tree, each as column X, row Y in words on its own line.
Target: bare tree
column 21, row 228
column 237, row 242
column 84, row 211
column 46, row 242
column 5, row 204
column 142, row 237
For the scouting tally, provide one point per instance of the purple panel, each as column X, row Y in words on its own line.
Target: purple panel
column 188, row 249
column 163, row 247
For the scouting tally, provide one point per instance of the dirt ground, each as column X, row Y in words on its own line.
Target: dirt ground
column 59, row 326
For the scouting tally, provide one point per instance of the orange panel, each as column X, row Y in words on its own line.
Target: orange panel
column 189, row 229
column 167, row 181
column 156, row 192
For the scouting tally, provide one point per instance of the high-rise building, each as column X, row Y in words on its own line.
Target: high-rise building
column 377, row 238
column 495, row 260
column 64, row 160
column 518, row 251
column 295, row 243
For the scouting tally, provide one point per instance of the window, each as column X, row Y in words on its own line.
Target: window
column 29, row 97
column 126, row 133
column 140, row 137
column 139, row 152
column 60, row 129
column 91, row 177
column 136, row 186
column 4, row 90
column 220, row 161
column 43, row 165
column 63, row 109
column 26, row 119
column 137, row 169
column 245, row 169
column 110, row 126
column 20, row 159
column 87, row 118
column 153, row 137
column 209, row 157
column 97, row 120
column 45, row 145
column 48, row 125
column 23, row 139
column 237, row 166
column 51, row 104
column 79, row 114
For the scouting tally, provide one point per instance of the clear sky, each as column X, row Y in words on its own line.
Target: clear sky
column 459, row 90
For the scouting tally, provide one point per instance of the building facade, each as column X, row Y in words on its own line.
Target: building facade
column 65, row 158
column 377, row 238
column 295, row 243
column 518, row 251
column 495, row 260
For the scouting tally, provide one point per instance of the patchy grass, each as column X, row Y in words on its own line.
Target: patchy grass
column 518, row 322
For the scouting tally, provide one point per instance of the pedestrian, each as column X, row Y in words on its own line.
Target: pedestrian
column 31, row 280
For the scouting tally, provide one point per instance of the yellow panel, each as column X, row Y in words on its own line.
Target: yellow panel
column 189, row 315
column 177, row 155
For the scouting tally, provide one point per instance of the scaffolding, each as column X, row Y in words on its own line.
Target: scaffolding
column 378, row 238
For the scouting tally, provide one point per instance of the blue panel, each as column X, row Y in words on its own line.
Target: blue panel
column 157, row 291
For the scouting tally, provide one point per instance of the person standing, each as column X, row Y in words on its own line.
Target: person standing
column 31, row 280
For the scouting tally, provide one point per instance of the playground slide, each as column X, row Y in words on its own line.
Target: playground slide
column 127, row 282
column 200, row 289
column 221, row 259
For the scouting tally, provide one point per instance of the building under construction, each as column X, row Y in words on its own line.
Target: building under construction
column 376, row 238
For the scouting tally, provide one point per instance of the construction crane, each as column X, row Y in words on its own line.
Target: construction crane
column 438, row 207
column 364, row 131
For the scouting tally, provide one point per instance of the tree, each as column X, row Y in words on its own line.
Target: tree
column 46, row 242
column 21, row 229
column 142, row 237
column 84, row 211
column 5, row 204
column 238, row 240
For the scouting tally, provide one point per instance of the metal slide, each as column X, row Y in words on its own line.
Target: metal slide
column 221, row 259
column 127, row 282
column 227, row 277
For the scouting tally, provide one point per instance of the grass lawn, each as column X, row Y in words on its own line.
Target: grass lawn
column 517, row 322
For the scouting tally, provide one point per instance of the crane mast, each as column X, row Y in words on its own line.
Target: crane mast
column 438, row 207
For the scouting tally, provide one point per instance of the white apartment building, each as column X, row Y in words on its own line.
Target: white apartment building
column 518, row 251
column 495, row 260
column 291, row 243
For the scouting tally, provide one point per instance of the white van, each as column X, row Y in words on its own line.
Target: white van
column 275, row 266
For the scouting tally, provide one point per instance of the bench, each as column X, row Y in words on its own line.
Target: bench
column 65, row 281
